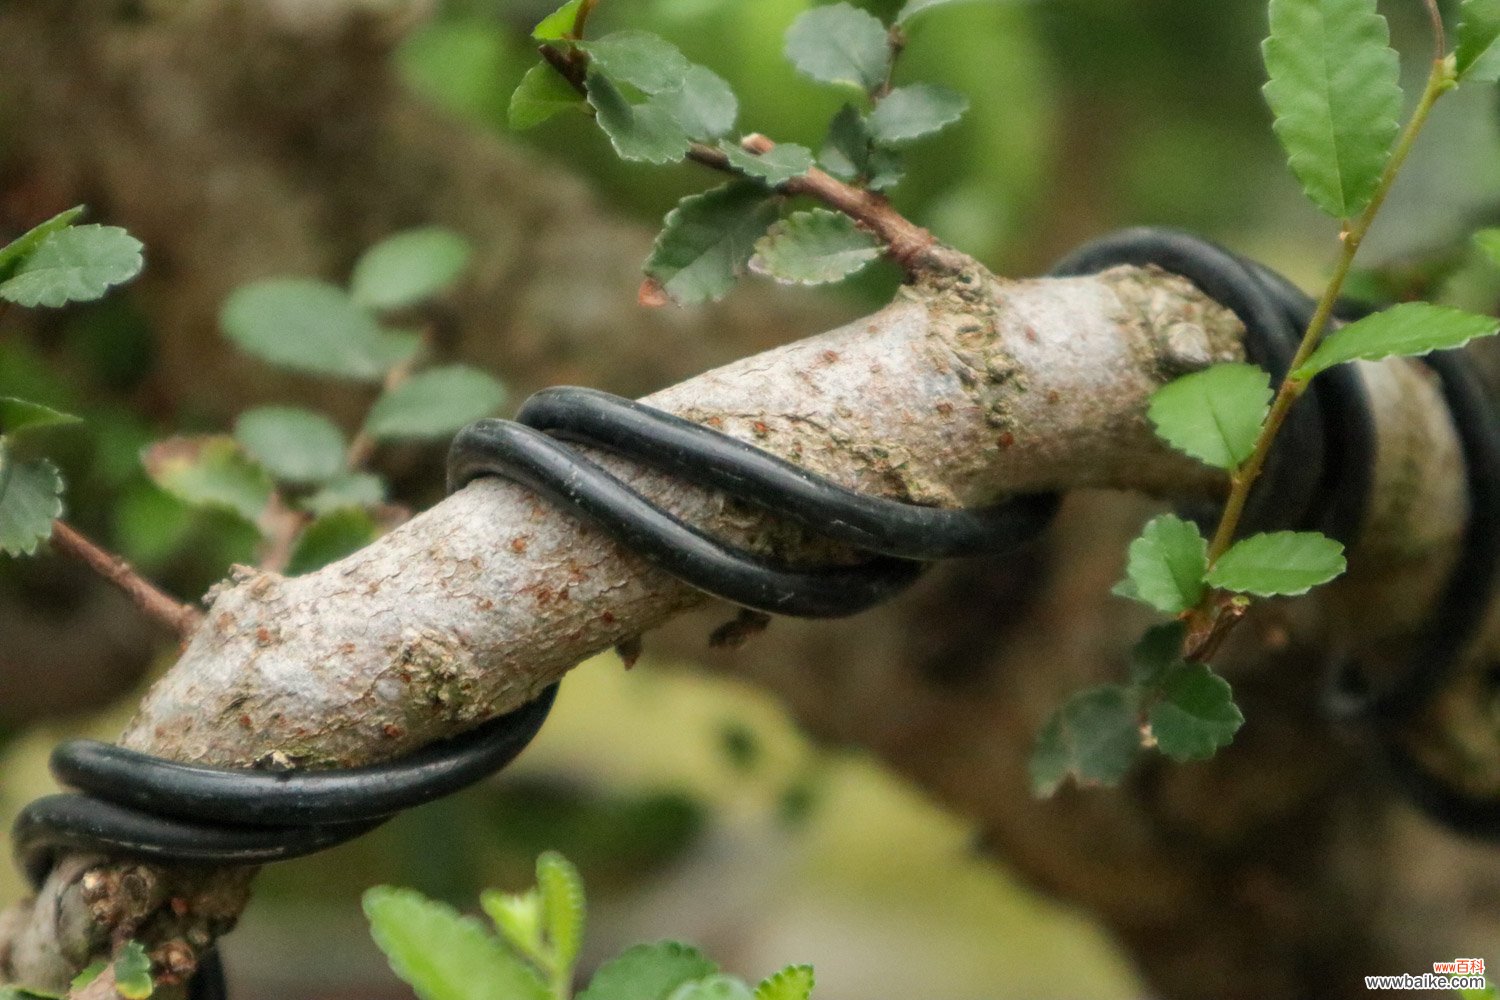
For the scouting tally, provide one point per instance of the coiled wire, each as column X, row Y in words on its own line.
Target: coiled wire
column 134, row 805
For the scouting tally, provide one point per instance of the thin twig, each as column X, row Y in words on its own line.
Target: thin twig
column 157, row 605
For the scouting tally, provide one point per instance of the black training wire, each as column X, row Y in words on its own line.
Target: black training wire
column 1318, row 477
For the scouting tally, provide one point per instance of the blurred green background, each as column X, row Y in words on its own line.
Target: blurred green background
column 690, row 805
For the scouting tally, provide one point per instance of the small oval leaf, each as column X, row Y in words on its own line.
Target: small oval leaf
column 294, row 445
column 1412, row 328
column 1280, row 563
column 74, row 265
column 840, row 44
column 408, row 267
column 814, row 247
column 1214, row 415
column 435, row 403
column 1166, row 565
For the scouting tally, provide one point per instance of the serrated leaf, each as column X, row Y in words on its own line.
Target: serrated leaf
column 1478, row 30
column 915, row 7
column 558, row 24
column 1195, row 714
column 846, row 149
column 563, row 905
column 19, row 415
column 715, row 987
column 1159, row 649
column 1278, row 563
column 209, row 471
column 1408, row 329
column 642, row 132
column 30, row 497
column 645, row 61
column 1093, row 737
column 444, row 955
column 294, row 445
column 840, row 44
column 909, row 113
column 1166, row 565
column 541, row 94
column 435, row 403
column 1213, row 415
column 408, row 267
column 133, row 972
column 311, row 326
column 814, row 247
column 518, row 917
column 648, row 972
column 886, row 168
column 351, row 489
column 776, row 166
column 707, row 239
column 77, row 264
column 795, row 982
column 705, row 105
column 1335, row 91
column 330, row 538
column 12, row 253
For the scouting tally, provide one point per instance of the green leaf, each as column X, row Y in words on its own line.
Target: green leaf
column 443, row 955
column 541, row 94
column 705, row 105
column 518, row 916
column 1278, row 563
column 1334, row 88
column 558, row 24
column 330, row 538
column 814, row 247
column 641, row 132
column 707, row 240
column 1094, row 737
column 1166, row 565
column 13, row 252
column 408, row 267
column 840, row 44
column 1488, row 240
column 294, row 445
column 209, row 471
column 795, row 982
column 846, row 149
column 1157, row 651
column 1196, row 713
column 18, row 993
column 434, row 403
column 648, row 972
column 30, row 497
column 1214, row 415
column 915, row 7
column 311, row 326
column 88, row 975
column 133, row 972
column 19, row 414
column 352, row 489
column 563, row 904
column 647, row 62
column 1478, row 30
column 908, row 113
column 74, row 265
column 715, row 987
column 783, row 162
column 1401, row 331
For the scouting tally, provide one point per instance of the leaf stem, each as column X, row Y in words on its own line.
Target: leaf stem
column 157, row 605
column 1439, row 82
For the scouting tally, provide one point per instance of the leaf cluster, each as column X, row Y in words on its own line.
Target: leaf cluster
column 51, row 265
column 532, row 952
column 657, row 107
column 281, row 457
